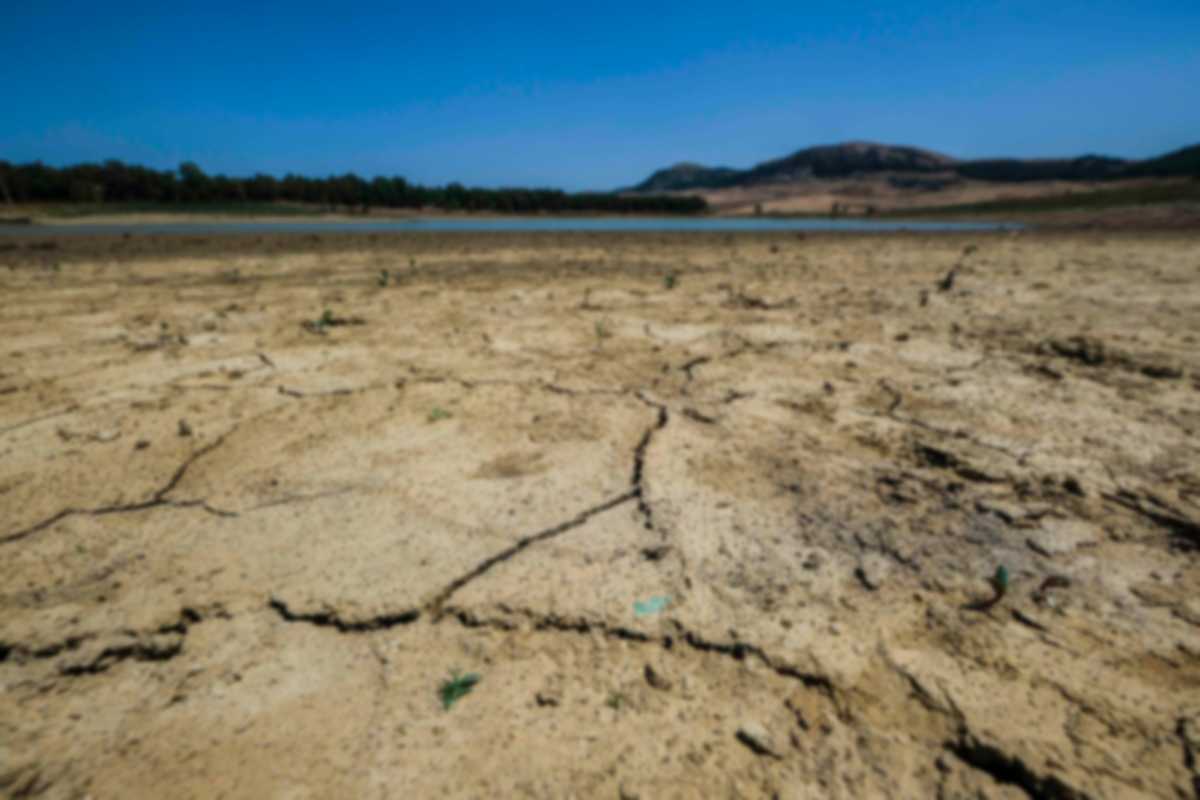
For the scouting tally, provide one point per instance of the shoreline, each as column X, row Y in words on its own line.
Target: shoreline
column 1126, row 218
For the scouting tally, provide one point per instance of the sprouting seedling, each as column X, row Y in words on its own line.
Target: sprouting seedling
column 602, row 331
column 615, row 701
column 670, row 280
column 383, row 279
column 438, row 413
column 318, row 325
column 457, row 687
column 1000, row 581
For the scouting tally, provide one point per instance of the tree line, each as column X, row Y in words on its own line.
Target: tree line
column 117, row 182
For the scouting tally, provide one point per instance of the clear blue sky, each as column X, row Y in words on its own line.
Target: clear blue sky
column 587, row 95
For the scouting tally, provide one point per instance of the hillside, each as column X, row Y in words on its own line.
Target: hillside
column 1185, row 161
column 844, row 160
column 858, row 159
column 866, row 178
column 687, row 175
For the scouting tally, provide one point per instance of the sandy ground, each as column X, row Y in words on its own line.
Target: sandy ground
column 818, row 196
column 708, row 515
column 856, row 194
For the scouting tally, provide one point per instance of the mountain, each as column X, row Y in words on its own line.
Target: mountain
column 687, row 175
column 1185, row 161
column 851, row 159
column 843, row 160
column 1014, row 170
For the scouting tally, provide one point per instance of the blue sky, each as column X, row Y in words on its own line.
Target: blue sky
column 595, row 96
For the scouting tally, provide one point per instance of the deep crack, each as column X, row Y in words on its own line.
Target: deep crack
column 1009, row 769
column 638, row 479
column 147, row 645
column 329, row 618
column 1184, row 529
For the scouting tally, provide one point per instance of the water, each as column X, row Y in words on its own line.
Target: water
column 510, row 224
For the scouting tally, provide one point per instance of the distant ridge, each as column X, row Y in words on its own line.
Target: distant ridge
column 843, row 160
column 863, row 158
column 1184, row 161
column 687, row 175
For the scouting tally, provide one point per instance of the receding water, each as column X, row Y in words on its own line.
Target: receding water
column 511, row 224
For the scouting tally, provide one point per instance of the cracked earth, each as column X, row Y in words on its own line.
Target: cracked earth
column 240, row 548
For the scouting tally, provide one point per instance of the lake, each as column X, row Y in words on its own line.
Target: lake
column 511, row 224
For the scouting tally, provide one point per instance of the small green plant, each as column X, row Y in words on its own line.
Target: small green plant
column 456, row 688
column 670, row 281
column 999, row 584
column 329, row 320
column 1000, row 581
column 383, row 279
column 438, row 414
column 602, row 331
column 615, row 701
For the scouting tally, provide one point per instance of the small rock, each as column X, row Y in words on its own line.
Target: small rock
column 871, row 571
column 184, row 428
column 142, row 444
column 656, row 680
column 755, row 737
column 548, row 698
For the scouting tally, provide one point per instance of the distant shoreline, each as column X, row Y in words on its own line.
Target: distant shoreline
column 1177, row 215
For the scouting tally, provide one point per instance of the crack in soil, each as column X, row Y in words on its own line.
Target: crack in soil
column 157, row 499
column 1009, row 769
column 1189, row 753
column 301, row 498
column 35, row 420
column 329, row 618
column 1182, row 527
column 638, row 478
column 470, row 384
column 525, row 542
column 898, row 399
column 736, row 649
column 142, row 646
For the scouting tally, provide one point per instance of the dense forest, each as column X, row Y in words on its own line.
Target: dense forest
column 116, row 182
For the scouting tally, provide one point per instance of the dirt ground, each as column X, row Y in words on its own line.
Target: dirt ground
column 707, row 515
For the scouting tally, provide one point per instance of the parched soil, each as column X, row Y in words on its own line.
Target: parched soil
column 707, row 515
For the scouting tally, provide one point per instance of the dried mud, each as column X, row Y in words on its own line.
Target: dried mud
column 243, row 542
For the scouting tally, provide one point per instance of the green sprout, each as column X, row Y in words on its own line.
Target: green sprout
column 670, row 280
column 456, row 688
column 383, row 279
column 438, row 414
column 1000, row 581
column 615, row 701
column 602, row 331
